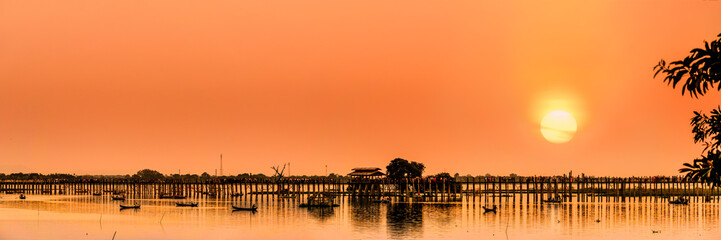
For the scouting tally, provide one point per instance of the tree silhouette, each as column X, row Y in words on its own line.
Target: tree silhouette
column 401, row 168
column 148, row 175
column 700, row 72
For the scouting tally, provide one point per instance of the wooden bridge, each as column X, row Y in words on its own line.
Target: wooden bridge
column 530, row 188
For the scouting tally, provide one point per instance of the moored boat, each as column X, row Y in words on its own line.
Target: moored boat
column 186, row 204
column 252, row 208
column 319, row 200
column 136, row 206
column 493, row 209
column 681, row 201
column 165, row 196
column 118, row 197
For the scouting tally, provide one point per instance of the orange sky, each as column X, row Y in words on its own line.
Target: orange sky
column 111, row 87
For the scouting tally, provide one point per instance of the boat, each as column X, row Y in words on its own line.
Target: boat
column 681, row 201
column 556, row 199
column 165, row 196
column 118, row 197
column 97, row 194
column 136, row 206
column 501, row 195
column 493, row 209
column 81, row 191
column 321, row 200
column 287, row 196
column 22, row 196
column 186, row 204
column 306, row 205
column 382, row 200
column 252, row 208
column 236, row 194
column 179, row 197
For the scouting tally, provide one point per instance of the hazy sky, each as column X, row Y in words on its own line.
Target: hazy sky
column 111, row 87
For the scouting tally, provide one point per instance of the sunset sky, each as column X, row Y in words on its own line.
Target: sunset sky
column 111, row 87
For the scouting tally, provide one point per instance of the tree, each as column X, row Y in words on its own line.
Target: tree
column 148, row 175
column 401, row 168
column 443, row 175
column 700, row 72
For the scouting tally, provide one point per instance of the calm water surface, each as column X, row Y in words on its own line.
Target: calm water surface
column 98, row 217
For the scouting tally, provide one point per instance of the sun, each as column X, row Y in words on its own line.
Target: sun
column 558, row 126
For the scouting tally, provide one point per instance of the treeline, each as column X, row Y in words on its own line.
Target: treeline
column 152, row 175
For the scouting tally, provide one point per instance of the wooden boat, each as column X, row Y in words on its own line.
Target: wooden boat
column 186, row 204
column 252, row 208
column 165, row 196
column 306, row 205
column 239, row 194
column 680, row 201
column 136, row 206
column 47, row 191
column 501, row 196
column 22, row 196
column 81, row 191
column 179, row 197
column 557, row 200
column 382, row 200
column 118, row 197
column 319, row 200
column 493, row 209
column 97, row 194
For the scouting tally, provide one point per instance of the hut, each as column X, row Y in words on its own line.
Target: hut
column 366, row 173
column 365, row 181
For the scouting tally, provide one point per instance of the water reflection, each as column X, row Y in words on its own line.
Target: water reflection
column 358, row 218
column 321, row 214
column 405, row 220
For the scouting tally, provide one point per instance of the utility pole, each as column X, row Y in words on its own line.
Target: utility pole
column 221, row 164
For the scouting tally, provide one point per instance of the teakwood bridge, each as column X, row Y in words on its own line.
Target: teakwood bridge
column 528, row 189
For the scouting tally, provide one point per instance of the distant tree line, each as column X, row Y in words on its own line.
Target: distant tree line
column 149, row 175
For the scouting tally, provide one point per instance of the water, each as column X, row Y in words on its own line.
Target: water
column 93, row 217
